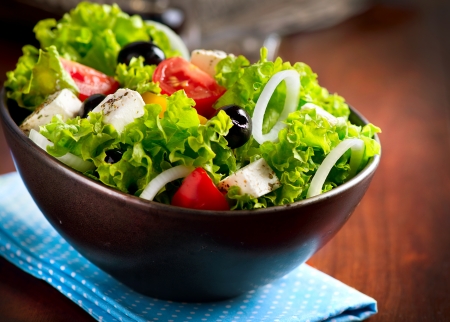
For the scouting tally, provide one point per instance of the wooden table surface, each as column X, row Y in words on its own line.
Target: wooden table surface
column 392, row 64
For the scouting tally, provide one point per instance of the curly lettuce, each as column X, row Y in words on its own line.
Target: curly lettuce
column 245, row 83
column 93, row 34
column 152, row 144
column 149, row 145
column 296, row 156
column 307, row 139
column 137, row 76
column 230, row 69
column 38, row 74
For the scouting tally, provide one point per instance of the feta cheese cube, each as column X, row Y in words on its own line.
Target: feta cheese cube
column 255, row 179
column 207, row 60
column 121, row 108
column 64, row 103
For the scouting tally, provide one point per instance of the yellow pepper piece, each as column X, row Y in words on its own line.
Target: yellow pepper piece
column 152, row 98
column 202, row 119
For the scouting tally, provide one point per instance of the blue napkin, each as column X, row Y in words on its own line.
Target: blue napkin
column 30, row 242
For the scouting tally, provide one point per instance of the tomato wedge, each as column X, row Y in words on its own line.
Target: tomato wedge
column 89, row 80
column 199, row 192
column 177, row 73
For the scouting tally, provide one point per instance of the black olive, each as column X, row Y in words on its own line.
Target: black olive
column 152, row 54
column 90, row 103
column 241, row 130
column 113, row 156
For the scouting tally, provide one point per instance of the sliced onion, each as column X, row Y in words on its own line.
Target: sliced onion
column 357, row 146
column 76, row 163
column 320, row 111
column 292, row 79
column 175, row 41
column 153, row 187
column 39, row 139
column 69, row 159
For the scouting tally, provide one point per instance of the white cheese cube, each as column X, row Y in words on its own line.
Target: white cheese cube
column 64, row 103
column 255, row 179
column 121, row 108
column 207, row 60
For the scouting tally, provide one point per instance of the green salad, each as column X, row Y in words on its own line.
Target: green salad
column 119, row 100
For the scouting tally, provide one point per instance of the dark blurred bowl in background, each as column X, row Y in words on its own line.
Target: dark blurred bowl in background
column 235, row 26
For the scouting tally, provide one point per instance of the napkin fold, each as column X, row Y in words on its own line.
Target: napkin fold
column 30, row 242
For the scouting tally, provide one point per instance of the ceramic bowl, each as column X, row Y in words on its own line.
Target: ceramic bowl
column 175, row 253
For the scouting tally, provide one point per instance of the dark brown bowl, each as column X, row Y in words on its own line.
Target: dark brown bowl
column 175, row 253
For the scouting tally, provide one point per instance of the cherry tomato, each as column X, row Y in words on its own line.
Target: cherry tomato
column 199, row 192
column 89, row 80
column 177, row 73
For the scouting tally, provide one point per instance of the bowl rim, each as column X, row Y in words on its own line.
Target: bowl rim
column 369, row 169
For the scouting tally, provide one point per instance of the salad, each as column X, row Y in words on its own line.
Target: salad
column 122, row 101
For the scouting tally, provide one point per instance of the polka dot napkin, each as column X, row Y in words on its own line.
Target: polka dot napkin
column 28, row 241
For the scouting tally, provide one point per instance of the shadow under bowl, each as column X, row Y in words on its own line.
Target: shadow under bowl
column 176, row 253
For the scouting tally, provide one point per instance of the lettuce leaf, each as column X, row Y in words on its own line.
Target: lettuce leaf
column 245, row 84
column 83, row 137
column 230, row 69
column 178, row 138
column 304, row 143
column 38, row 74
column 301, row 148
column 137, row 76
column 93, row 34
column 150, row 145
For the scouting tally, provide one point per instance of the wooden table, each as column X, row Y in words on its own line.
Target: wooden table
column 392, row 64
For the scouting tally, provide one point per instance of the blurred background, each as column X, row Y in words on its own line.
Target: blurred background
column 240, row 27
column 235, row 26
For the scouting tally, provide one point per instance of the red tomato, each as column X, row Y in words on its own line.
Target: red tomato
column 89, row 80
column 199, row 192
column 177, row 73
